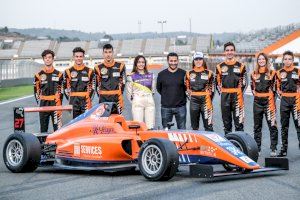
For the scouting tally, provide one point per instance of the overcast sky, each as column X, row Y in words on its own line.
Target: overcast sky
column 122, row 16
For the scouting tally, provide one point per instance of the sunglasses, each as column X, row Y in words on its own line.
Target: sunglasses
column 198, row 59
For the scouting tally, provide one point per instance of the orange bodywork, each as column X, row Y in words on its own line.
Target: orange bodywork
column 95, row 138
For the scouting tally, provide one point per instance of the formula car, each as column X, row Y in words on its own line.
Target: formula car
column 101, row 139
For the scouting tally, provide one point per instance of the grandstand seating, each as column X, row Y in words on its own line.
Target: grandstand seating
column 155, row 46
column 33, row 48
column 66, row 48
column 131, row 47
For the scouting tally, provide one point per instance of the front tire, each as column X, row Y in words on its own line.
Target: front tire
column 158, row 159
column 22, row 152
column 245, row 143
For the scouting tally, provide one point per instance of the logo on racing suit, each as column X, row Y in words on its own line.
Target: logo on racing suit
column 43, row 77
column 74, row 74
column 257, row 76
column 192, row 75
column 224, row 69
column 104, row 71
column 283, row 75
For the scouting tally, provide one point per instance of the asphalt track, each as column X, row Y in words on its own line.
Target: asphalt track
column 48, row 183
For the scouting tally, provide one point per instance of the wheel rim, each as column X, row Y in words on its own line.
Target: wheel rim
column 152, row 159
column 14, row 152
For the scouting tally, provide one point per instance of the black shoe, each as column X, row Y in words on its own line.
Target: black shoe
column 282, row 153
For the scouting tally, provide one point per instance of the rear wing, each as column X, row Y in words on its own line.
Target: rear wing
column 19, row 114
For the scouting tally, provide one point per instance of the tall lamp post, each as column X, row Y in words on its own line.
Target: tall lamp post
column 162, row 22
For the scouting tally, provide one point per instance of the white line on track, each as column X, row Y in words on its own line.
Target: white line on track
column 13, row 100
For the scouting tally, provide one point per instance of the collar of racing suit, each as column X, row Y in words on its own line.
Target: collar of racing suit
column 288, row 69
column 79, row 67
column 109, row 64
column 230, row 62
column 262, row 70
column 47, row 70
column 199, row 69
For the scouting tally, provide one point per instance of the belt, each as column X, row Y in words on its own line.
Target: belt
column 292, row 94
column 231, row 90
column 262, row 94
column 79, row 94
column 48, row 97
column 109, row 92
column 200, row 93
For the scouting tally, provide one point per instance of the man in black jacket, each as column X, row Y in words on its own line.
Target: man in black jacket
column 171, row 87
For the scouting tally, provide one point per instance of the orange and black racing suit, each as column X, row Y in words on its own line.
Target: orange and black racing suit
column 263, row 88
column 200, row 84
column 48, row 92
column 288, row 87
column 231, row 83
column 79, row 88
column 110, row 82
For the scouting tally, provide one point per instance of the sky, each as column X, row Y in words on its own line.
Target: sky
column 122, row 16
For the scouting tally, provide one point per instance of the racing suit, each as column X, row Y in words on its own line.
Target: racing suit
column 231, row 83
column 263, row 88
column 48, row 92
column 288, row 87
column 200, row 85
column 110, row 82
column 79, row 88
column 140, row 89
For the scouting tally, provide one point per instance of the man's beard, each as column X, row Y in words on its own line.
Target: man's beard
column 173, row 66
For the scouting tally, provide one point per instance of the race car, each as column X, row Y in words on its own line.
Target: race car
column 101, row 139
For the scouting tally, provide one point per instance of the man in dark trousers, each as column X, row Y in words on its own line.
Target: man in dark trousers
column 231, row 83
column 288, row 88
column 48, row 91
column 171, row 87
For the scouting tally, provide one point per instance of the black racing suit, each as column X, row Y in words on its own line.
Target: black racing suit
column 288, row 87
column 200, row 85
column 79, row 88
column 48, row 92
column 110, row 82
column 263, row 88
column 232, row 82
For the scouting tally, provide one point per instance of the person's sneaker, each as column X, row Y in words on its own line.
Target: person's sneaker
column 282, row 153
column 273, row 153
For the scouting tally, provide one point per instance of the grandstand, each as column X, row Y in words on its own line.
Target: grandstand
column 33, row 48
column 155, row 46
column 131, row 47
column 246, row 43
column 65, row 49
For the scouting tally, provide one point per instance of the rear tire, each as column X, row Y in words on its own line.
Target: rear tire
column 22, row 152
column 246, row 144
column 158, row 159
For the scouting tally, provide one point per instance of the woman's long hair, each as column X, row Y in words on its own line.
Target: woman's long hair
column 136, row 59
column 204, row 64
column 256, row 70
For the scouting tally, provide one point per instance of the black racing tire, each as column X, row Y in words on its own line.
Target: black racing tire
column 22, row 152
column 158, row 159
column 246, row 144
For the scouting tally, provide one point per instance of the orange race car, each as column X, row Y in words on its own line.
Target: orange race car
column 101, row 139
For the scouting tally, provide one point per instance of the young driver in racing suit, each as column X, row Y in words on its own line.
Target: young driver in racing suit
column 79, row 84
column 288, row 88
column 48, row 91
column 140, row 90
column 200, row 87
column 231, row 78
column 110, row 78
column 263, row 88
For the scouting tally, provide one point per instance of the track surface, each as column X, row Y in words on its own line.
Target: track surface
column 47, row 183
